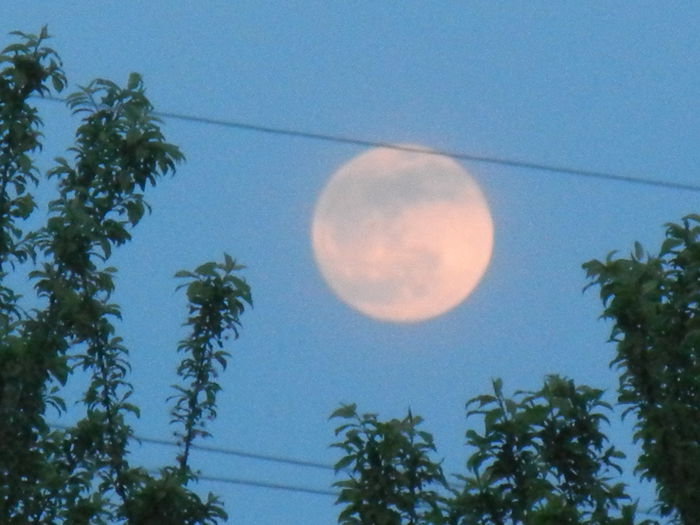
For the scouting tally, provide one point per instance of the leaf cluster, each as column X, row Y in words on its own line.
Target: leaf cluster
column 26, row 68
column 392, row 476
column 541, row 458
column 217, row 297
column 653, row 302
column 81, row 474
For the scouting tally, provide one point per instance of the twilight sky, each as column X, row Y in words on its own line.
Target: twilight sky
column 607, row 86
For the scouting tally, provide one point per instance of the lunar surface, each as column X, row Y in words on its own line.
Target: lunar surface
column 402, row 236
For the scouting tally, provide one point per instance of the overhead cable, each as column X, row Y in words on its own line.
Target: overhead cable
column 259, row 484
column 267, row 485
column 262, row 484
column 483, row 159
column 227, row 451
column 240, row 453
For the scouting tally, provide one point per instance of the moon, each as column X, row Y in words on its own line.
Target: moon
column 402, row 236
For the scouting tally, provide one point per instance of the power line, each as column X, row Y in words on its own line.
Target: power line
column 266, row 485
column 513, row 163
column 239, row 481
column 240, row 453
column 269, row 485
column 292, row 488
column 228, row 451
column 498, row 161
column 259, row 484
column 263, row 484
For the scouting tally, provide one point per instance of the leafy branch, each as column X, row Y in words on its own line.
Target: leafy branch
column 391, row 474
column 654, row 303
column 81, row 474
column 217, row 297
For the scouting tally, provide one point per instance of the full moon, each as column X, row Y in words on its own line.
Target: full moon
column 402, row 236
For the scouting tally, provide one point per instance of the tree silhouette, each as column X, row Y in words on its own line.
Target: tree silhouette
column 82, row 474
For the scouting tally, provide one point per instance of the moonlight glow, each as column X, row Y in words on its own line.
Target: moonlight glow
column 402, row 236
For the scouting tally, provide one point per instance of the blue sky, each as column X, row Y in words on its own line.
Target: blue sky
column 608, row 86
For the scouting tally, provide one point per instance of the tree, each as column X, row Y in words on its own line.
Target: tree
column 537, row 458
column 542, row 457
column 654, row 303
column 392, row 475
column 82, row 474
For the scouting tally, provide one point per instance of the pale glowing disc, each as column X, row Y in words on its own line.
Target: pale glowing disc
column 402, row 236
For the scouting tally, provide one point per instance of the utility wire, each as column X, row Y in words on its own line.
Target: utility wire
column 227, row 451
column 498, row 161
column 263, row 484
column 260, row 484
column 513, row 163
column 239, row 481
column 240, row 453
column 266, row 485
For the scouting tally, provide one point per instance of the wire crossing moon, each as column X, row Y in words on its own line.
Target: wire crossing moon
column 402, row 236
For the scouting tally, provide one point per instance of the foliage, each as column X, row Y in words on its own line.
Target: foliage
column 542, row 458
column 81, row 474
column 654, row 303
column 391, row 471
column 217, row 298
column 539, row 458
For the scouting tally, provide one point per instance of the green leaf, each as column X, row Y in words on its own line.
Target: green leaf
column 207, row 269
column 345, row 412
column 134, row 81
column 343, row 463
column 15, row 48
column 229, row 263
column 638, row 251
column 497, row 384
